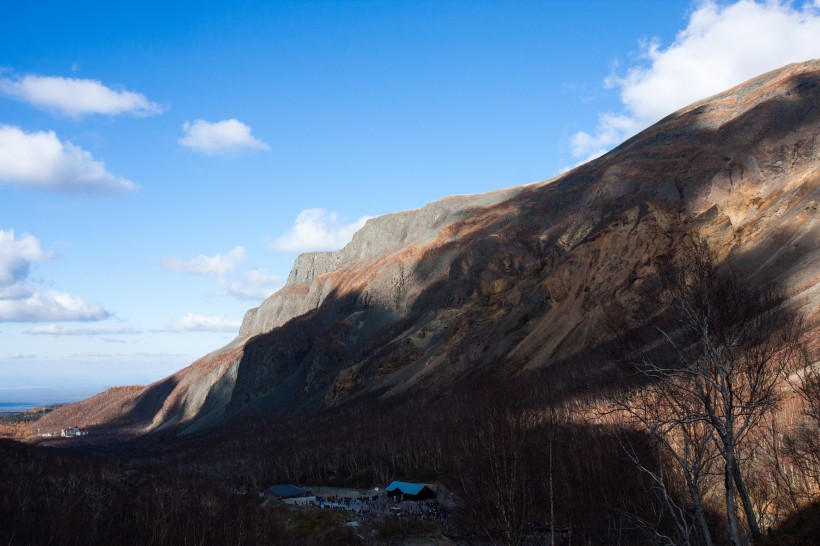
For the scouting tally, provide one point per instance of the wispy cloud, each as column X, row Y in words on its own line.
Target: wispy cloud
column 721, row 46
column 217, row 265
column 22, row 302
column 41, row 160
column 317, row 229
column 123, row 357
column 255, row 285
column 226, row 138
column 77, row 98
column 20, row 356
column 252, row 285
column 193, row 322
column 55, row 330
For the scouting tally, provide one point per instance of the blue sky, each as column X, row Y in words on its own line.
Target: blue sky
column 161, row 164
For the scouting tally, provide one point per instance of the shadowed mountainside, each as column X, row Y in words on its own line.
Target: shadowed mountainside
column 519, row 278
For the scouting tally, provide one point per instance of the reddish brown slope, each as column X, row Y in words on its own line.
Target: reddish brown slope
column 107, row 407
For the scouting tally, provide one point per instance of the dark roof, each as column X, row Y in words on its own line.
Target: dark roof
column 287, row 490
column 405, row 487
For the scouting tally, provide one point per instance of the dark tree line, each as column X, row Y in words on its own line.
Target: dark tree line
column 52, row 497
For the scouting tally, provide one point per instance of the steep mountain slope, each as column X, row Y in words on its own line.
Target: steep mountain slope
column 527, row 276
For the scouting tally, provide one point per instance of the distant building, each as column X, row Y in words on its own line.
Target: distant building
column 72, row 431
column 410, row 491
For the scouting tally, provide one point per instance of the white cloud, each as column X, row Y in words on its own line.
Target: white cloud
column 193, row 322
column 17, row 255
column 722, row 46
column 50, row 306
column 255, row 285
column 17, row 291
column 55, row 330
column 20, row 356
column 227, row 137
column 22, row 302
column 612, row 129
column 77, row 98
column 217, row 265
column 317, row 229
column 41, row 160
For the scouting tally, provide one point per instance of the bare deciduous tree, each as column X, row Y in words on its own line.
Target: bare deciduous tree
column 667, row 413
column 803, row 445
column 494, row 470
column 725, row 351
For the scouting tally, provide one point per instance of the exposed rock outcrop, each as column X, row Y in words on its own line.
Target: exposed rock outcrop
column 380, row 237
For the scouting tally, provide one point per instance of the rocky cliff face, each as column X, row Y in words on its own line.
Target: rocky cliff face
column 308, row 283
column 529, row 276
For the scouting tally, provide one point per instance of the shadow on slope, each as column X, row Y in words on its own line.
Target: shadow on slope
column 489, row 289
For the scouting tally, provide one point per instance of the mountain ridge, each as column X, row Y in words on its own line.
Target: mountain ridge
column 521, row 277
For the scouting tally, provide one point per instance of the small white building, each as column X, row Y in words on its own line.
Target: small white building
column 72, row 432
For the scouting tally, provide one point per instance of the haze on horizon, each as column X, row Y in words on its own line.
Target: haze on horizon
column 160, row 167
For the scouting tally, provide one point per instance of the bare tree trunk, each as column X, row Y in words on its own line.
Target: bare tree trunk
column 754, row 526
column 731, row 511
column 700, row 513
column 552, row 490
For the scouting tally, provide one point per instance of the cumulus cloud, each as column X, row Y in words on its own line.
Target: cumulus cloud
column 55, row 330
column 77, row 97
column 255, row 285
column 721, row 46
column 193, row 322
column 227, row 137
column 217, row 265
column 17, row 255
column 22, row 302
column 41, row 160
column 317, row 229
column 50, row 306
